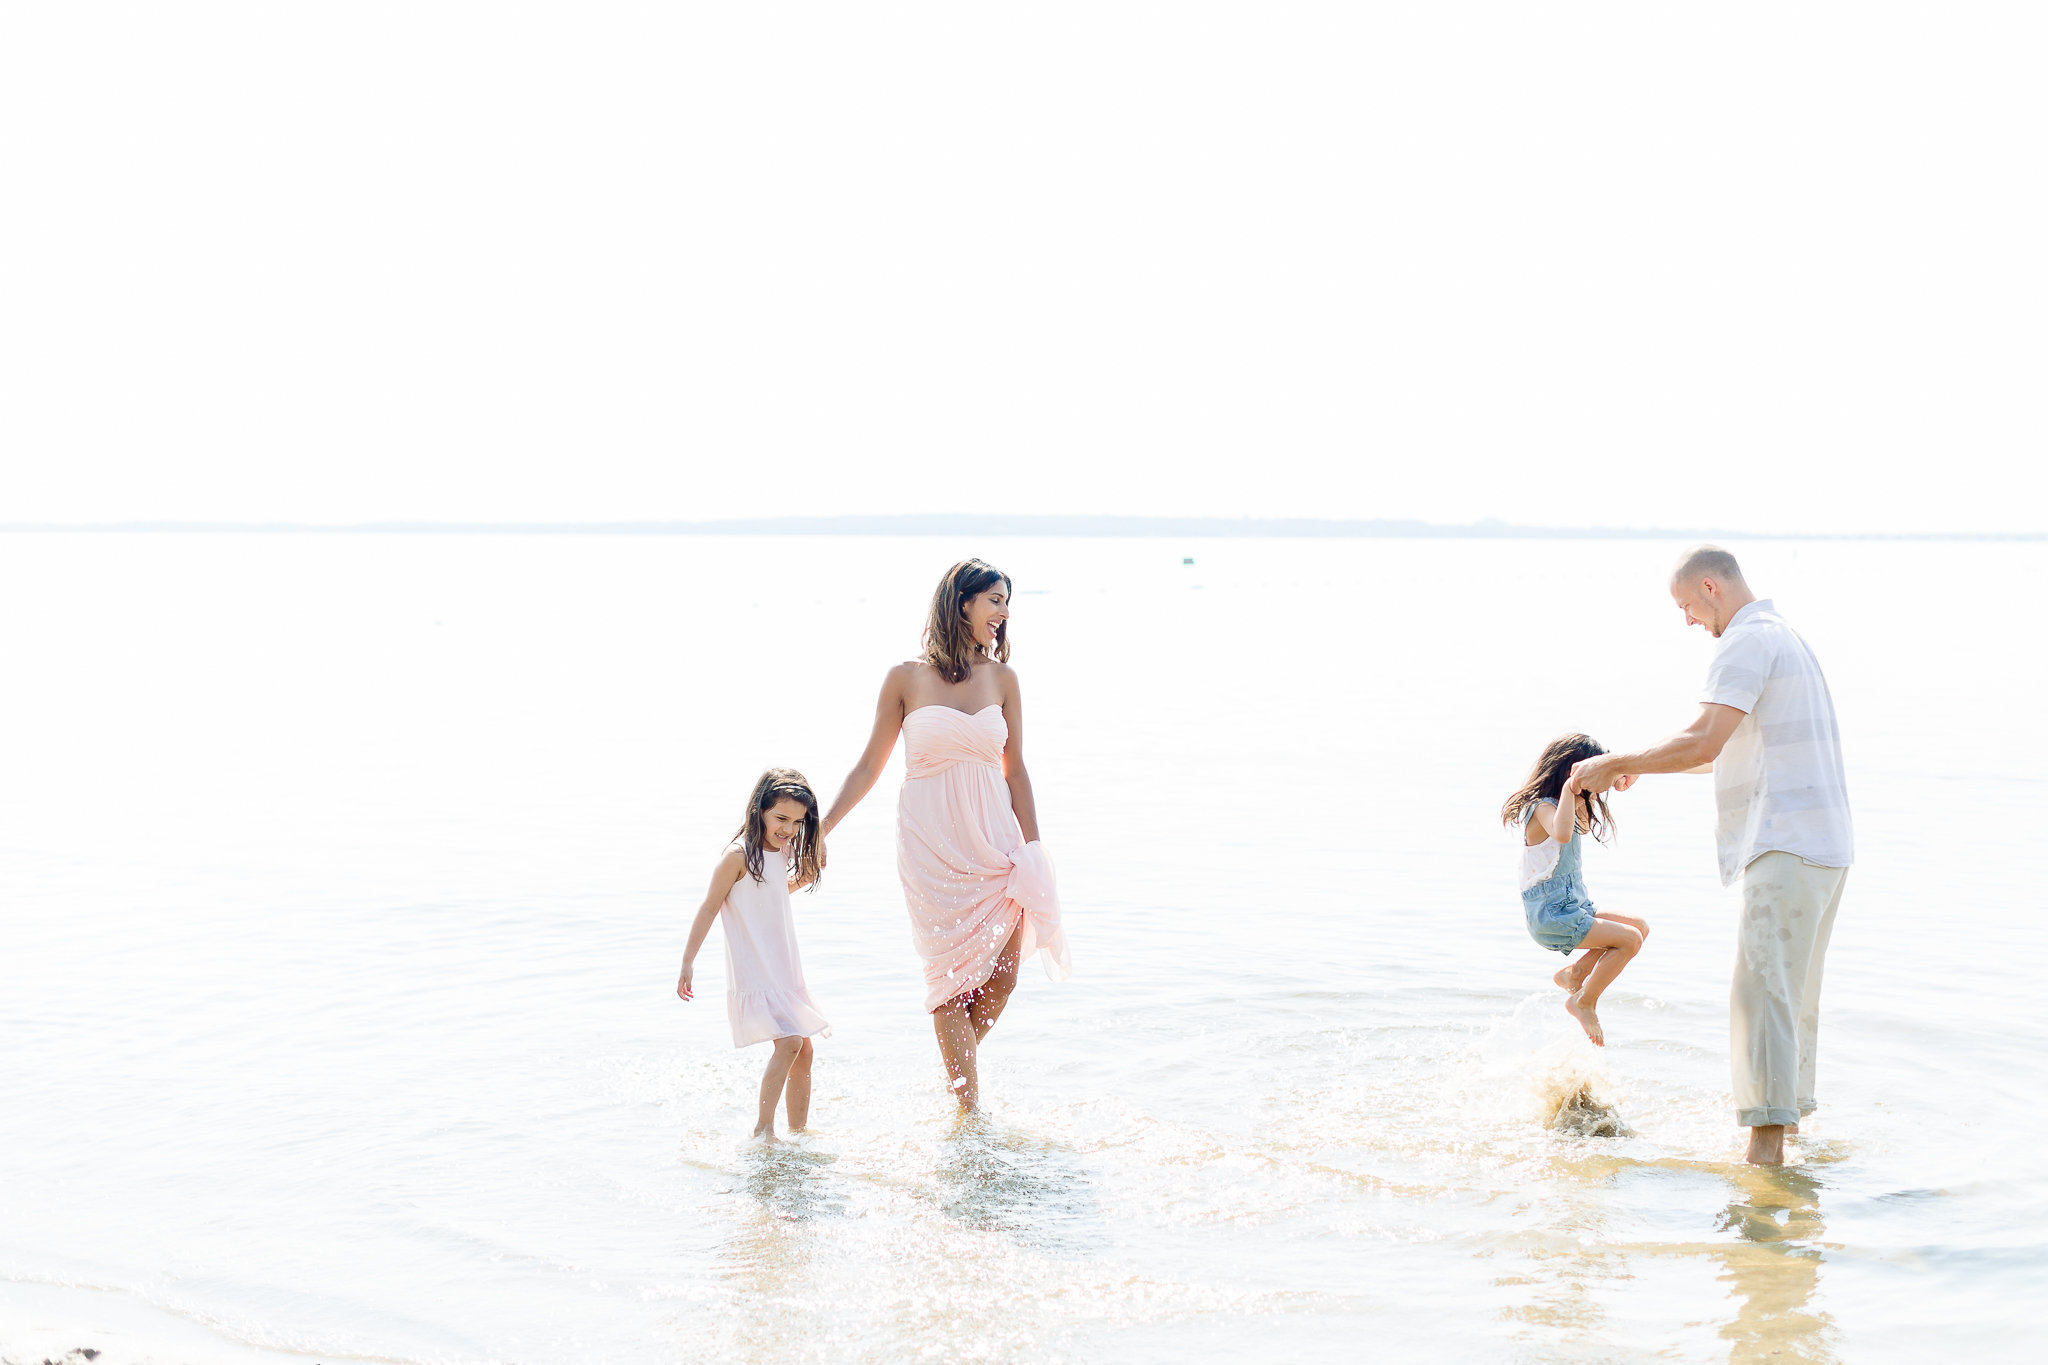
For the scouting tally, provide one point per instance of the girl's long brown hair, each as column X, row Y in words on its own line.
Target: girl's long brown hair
column 947, row 646
column 780, row 784
column 1546, row 783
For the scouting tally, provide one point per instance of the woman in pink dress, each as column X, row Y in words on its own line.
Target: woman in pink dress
column 975, row 878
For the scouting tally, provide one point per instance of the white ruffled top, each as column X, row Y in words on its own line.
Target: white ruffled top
column 1539, row 860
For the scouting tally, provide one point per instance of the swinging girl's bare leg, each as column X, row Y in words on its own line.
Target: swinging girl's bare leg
column 1574, row 975
column 1622, row 943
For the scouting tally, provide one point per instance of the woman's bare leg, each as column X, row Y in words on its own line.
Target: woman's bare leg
column 962, row 1022
column 779, row 1062
column 957, row 1040
column 797, row 1093
column 985, row 1003
column 1621, row 944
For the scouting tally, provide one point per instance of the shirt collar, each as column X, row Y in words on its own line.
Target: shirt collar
column 1759, row 606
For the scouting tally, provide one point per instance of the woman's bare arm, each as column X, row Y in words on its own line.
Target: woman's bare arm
column 881, row 743
column 724, row 877
column 1014, row 773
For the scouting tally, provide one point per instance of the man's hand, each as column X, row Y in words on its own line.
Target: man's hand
column 1596, row 775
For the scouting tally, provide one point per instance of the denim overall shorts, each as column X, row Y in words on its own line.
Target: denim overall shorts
column 1559, row 912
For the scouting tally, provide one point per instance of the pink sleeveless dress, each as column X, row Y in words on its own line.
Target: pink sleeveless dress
column 765, row 995
column 968, row 876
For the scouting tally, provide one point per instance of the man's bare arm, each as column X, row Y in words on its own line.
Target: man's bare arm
column 1691, row 750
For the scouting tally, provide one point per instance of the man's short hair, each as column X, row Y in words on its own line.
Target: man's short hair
column 1708, row 561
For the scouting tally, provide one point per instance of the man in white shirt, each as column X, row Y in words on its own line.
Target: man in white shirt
column 1767, row 732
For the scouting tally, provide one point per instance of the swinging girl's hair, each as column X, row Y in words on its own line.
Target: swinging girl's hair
column 1546, row 782
column 779, row 784
column 947, row 646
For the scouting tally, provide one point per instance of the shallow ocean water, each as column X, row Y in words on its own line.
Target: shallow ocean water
column 344, row 880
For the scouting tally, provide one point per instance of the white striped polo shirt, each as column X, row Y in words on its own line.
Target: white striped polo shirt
column 1778, row 782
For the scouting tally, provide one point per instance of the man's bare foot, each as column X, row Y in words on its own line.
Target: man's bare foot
column 1766, row 1145
column 1588, row 1020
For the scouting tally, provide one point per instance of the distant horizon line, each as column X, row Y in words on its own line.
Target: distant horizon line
column 1050, row 525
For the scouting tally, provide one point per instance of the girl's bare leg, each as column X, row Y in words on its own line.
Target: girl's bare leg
column 797, row 1093
column 957, row 1039
column 1574, row 975
column 1621, row 943
column 779, row 1062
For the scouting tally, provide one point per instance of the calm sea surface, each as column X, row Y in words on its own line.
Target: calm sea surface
column 344, row 878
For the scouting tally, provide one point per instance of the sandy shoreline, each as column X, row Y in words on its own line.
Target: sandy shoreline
column 43, row 1324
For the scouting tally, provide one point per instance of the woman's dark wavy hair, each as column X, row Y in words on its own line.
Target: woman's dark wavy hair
column 947, row 646
column 780, row 784
column 1546, row 782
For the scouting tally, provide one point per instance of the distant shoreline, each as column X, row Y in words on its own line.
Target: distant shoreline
column 1194, row 528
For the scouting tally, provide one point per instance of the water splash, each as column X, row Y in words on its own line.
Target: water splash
column 1584, row 1114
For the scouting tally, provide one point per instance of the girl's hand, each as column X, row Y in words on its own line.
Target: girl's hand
column 683, row 983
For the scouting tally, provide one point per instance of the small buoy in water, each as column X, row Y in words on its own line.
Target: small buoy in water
column 1189, row 560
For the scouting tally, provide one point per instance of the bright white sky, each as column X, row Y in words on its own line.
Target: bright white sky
column 1767, row 268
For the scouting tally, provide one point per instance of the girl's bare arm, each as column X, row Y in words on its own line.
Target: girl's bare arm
column 881, row 743
column 724, row 877
column 1691, row 750
column 1014, row 773
column 1560, row 820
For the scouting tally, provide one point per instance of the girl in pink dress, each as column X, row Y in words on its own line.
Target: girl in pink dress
column 976, row 880
column 775, row 852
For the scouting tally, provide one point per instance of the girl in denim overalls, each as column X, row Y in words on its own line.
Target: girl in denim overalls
column 1554, row 900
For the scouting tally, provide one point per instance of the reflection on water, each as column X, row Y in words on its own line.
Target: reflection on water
column 1775, row 1266
column 767, row 1259
column 993, row 1179
column 790, row 1182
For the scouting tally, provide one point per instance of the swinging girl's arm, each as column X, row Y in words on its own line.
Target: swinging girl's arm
column 724, row 877
column 1553, row 820
column 1021, row 799
column 881, row 743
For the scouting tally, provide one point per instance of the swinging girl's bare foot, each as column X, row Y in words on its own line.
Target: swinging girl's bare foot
column 1588, row 1020
column 1565, row 980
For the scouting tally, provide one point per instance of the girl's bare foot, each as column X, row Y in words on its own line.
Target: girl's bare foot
column 767, row 1138
column 1588, row 1020
column 1568, row 980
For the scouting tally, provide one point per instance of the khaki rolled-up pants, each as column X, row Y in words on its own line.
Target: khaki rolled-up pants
column 1788, row 911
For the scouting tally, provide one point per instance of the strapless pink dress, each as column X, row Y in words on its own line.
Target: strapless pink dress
column 968, row 876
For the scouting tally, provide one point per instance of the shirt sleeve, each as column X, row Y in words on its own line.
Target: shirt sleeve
column 1736, row 677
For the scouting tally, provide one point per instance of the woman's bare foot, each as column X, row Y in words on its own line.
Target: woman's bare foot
column 1588, row 1020
column 766, row 1137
